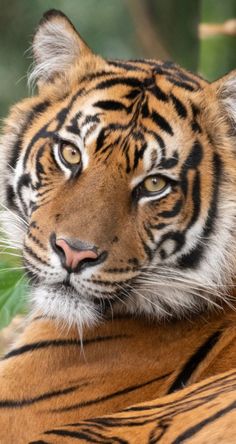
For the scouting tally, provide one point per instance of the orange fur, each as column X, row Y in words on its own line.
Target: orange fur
column 126, row 361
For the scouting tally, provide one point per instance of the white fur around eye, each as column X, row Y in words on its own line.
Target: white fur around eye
column 158, row 196
column 66, row 170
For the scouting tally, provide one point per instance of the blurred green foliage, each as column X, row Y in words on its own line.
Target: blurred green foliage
column 13, row 292
column 115, row 29
column 218, row 53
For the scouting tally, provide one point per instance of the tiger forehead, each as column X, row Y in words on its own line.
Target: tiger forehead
column 146, row 114
column 140, row 116
column 130, row 90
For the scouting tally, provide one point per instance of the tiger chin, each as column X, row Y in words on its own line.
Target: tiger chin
column 118, row 180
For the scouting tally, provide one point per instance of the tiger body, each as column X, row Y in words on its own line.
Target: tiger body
column 118, row 180
column 202, row 413
column 68, row 382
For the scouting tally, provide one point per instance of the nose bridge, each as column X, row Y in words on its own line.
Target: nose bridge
column 93, row 208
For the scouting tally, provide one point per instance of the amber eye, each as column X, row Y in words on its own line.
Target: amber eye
column 154, row 184
column 70, row 154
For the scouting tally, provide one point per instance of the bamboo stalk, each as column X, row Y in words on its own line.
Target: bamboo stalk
column 212, row 29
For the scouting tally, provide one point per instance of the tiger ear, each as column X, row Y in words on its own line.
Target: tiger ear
column 225, row 89
column 56, row 47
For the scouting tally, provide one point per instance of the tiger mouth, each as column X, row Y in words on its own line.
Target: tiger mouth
column 68, row 290
column 103, row 304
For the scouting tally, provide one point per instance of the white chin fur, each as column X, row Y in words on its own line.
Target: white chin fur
column 68, row 308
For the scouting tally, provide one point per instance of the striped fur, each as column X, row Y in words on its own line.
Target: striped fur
column 48, row 381
column 203, row 413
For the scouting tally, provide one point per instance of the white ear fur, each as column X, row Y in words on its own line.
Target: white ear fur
column 56, row 47
column 226, row 91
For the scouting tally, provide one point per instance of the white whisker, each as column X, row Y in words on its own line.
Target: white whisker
column 17, row 217
column 7, row 253
column 11, row 269
column 11, row 246
column 10, row 166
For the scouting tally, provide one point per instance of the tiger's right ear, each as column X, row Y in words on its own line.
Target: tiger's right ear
column 225, row 89
column 56, row 47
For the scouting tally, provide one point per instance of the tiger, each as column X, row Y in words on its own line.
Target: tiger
column 117, row 180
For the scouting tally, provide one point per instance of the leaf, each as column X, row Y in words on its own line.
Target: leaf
column 13, row 293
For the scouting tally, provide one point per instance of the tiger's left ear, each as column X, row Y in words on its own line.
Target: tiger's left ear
column 225, row 89
column 56, row 47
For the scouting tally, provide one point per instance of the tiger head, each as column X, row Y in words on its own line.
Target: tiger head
column 121, row 179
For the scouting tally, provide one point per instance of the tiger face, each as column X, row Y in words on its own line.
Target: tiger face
column 123, row 176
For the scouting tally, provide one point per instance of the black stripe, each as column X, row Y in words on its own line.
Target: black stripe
column 188, row 78
column 100, row 139
column 158, row 93
column 39, row 442
column 177, row 236
column 34, row 346
column 194, row 361
column 224, row 382
column 196, row 199
column 12, row 403
column 34, row 255
column 10, row 198
column 192, row 259
column 120, row 270
column 179, row 107
column 37, row 109
column 131, row 81
column 71, row 434
column 133, row 94
column 111, row 395
column 42, row 317
column 192, row 162
column 128, row 66
column 94, row 434
column 147, row 250
column 174, row 211
column 161, row 122
column 167, row 163
column 95, row 75
column 196, row 428
column 159, row 226
column 24, row 181
column 110, row 105
column 38, row 164
column 128, row 169
column 87, row 435
column 217, row 172
column 144, row 109
column 180, row 84
column 196, row 127
column 195, row 110
column 138, row 154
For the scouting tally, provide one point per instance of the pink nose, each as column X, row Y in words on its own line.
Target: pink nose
column 74, row 256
